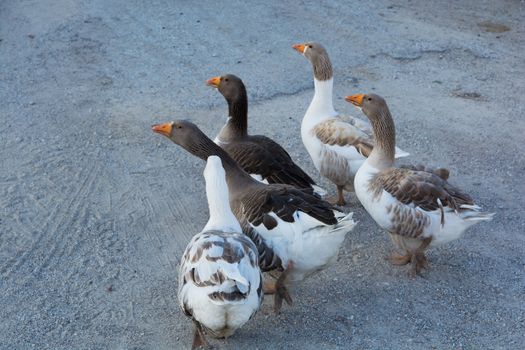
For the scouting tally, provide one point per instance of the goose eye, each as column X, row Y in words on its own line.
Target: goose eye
column 225, row 79
column 179, row 126
column 370, row 99
column 310, row 46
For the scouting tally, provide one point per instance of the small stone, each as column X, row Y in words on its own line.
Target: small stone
column 493, row 27
column 467, row 95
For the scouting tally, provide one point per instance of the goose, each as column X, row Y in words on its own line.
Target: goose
column 220, row 282
column 337, row 147
column 419, row 209
column 294, row 231
column 261, row 157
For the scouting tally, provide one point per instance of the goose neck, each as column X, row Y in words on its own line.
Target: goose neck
column 383, row 154
column 322, row 100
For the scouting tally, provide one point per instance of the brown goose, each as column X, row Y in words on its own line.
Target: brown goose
column 220, row 282
column 293, row 230
column 418, row 208
column 261, row 157
column 337, row 147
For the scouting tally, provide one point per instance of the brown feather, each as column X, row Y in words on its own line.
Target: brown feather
column 336, row 132
column 260, row 155
column 419, row 188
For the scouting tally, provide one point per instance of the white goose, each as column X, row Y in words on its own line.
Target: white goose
column 220, row 282
column 337, row 147
column 418, row 208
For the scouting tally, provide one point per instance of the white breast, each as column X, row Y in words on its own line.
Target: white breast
column 376, row 207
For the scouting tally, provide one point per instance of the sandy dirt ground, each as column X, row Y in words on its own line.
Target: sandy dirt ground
column 95, row 209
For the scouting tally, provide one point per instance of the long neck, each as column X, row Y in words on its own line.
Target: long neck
column 322, row 105
column 202, row 147
column 221, row 215
column 322, row 101
column 237, row 124
column 383, row 154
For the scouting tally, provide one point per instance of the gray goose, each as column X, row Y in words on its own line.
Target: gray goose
column 337, row 147
column 220, row 282
column 293, row 230
column 261, row 157
column 419, row 209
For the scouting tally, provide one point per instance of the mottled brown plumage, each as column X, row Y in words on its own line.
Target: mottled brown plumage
column 216, row 248
column 407, row 222
column 419, row 188
column 415, row 204
column 336, row 132
column 441, row 172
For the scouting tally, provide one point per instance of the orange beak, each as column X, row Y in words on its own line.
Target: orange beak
column 356, row 100
column 214, row 82
column 163, row 129
column 299, row 47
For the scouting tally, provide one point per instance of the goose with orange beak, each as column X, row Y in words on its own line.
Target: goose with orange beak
column 261, row 157
column 294, row 230
column 419, row 209
column 337, row 147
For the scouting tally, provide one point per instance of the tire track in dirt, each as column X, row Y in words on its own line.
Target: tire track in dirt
column 40, row 208
column 67, row 215
column 77, row 207
column 15, row 264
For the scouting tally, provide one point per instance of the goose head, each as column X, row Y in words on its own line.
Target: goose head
column 318, row 57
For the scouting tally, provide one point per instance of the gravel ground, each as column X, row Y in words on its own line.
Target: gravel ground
column 95, row 209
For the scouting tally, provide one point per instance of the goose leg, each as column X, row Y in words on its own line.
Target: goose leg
column 281, row 291
column 339, row 199
column 419, row 260
column 414, row 266
column 417, row 263
column 199, row 340
column 400, row 260
column 269, row 286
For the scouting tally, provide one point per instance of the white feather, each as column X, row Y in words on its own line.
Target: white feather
column 310, row 244
column 221, row 216
column 259, row 178
column 221, row 317
column 319, row 191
